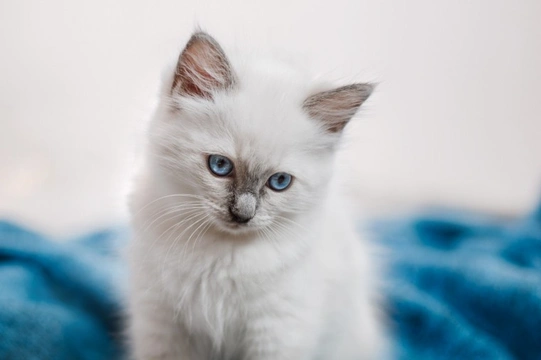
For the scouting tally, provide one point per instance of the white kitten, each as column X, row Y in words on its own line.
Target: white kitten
column 243, row 247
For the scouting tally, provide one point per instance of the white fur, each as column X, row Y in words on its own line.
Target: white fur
column 295, row 283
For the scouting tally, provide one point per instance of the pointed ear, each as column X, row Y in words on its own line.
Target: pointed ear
column 202, row 68
column 334, row 108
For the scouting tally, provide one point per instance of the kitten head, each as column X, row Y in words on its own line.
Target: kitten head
column 250, row 142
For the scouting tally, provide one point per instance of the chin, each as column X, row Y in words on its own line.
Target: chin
column 233, row 228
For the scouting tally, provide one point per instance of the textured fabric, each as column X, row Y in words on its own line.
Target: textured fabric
column 459, row 286
column 56, row 299
column 462, row 286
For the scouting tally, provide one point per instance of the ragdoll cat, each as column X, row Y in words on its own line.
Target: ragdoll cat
column 243, row 246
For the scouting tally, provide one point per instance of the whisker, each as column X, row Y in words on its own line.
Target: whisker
column 192, row 214
column 179, row 236
column 172, row 210
column 203, row 232
column 204, row 223
column 166, row 197
column 200, row 221
column 291, row 222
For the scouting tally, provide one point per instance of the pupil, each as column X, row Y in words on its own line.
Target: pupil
column 281, row 179
column 221, row 163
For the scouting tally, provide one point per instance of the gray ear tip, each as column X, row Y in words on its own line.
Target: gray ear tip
column 201, row 36
column 199, row 33
column 365, row 89
column 373, row 85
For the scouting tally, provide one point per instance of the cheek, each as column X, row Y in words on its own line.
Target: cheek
column 211, row 188
column 288, row 201
column 217, row 190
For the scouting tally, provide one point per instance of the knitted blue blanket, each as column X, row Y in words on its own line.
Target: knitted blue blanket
column 460, row 286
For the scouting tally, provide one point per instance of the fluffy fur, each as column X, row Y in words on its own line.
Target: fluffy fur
column 295, row 282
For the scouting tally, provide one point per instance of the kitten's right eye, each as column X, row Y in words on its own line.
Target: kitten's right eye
column 220, row 165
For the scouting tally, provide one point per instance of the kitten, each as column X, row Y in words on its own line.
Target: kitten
column 243, row 247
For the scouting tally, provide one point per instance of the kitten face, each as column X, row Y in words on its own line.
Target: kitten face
column 225, row 130
column 260, row 139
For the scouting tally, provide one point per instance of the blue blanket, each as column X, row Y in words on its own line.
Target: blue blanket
column 464, row 286
column 460, row 286
column 57, row 300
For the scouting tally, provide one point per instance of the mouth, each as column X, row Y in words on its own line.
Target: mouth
column 233, row 224
column 229, row 222
column 235, row 227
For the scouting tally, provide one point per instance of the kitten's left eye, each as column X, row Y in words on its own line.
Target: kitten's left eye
column 220, row 165
column 279, row 181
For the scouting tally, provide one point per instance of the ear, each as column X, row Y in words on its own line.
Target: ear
column 202, row 68
column 334, row 108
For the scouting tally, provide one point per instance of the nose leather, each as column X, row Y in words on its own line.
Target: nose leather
column 244, row 207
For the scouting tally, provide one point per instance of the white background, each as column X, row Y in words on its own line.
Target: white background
column 456, row 120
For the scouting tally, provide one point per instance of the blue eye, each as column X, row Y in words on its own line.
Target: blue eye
column 220, row 165
column 279, row 181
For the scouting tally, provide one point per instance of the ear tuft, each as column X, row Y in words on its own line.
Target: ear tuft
column 334, row 108
column 202, row 68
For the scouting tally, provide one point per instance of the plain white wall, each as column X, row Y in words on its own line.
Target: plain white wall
column 456, row 119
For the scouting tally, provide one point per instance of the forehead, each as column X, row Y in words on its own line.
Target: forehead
column 263, row 126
